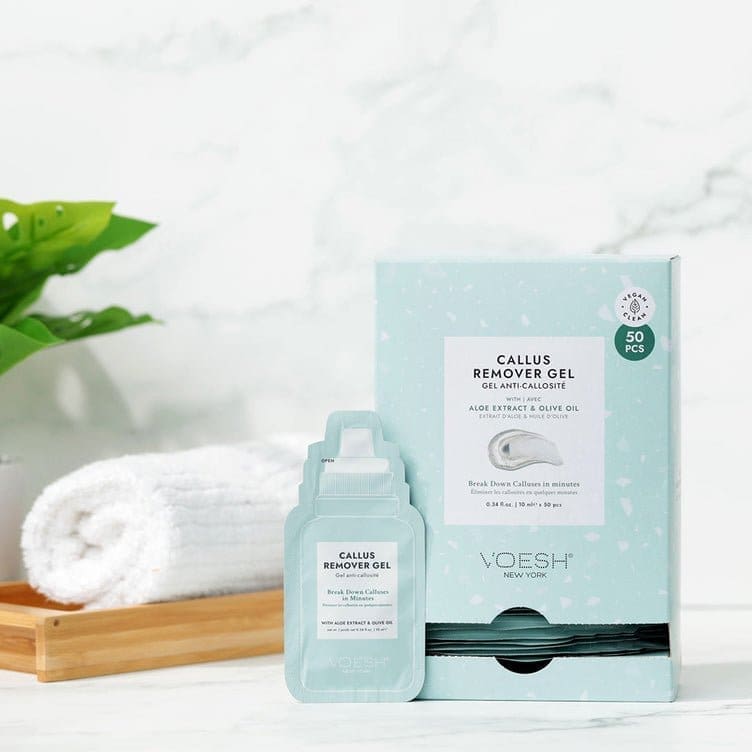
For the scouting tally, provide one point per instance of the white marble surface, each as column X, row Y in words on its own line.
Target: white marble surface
column 241, row 705
column 283, row 145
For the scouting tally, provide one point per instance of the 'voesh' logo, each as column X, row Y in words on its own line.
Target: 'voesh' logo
column 533, row 564
column 360, row 664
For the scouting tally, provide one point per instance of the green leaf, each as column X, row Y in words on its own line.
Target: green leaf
column 50, row 227
column 24, row 339
column 54, row 237
column 90, row 323
column 36, row 332
column 21, row 303
column 120, row 232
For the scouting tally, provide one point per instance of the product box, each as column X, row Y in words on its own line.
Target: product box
column 536, row 406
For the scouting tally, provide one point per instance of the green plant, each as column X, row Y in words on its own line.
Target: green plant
column 40, row 240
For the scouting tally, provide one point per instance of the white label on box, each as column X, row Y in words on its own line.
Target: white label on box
column 523, row 430
column 357, row 590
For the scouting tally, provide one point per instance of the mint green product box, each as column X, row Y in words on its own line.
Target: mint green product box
column 536, row 407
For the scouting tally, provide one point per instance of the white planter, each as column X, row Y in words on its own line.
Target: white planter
column 12, row 510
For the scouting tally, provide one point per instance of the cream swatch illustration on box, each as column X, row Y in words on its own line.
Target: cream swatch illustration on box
column 514, row 449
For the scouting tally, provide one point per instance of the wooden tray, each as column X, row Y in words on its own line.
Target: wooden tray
column 56, row 641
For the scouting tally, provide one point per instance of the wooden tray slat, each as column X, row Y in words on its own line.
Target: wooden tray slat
column 65, row 642
column 18, row 648
column 21, row 593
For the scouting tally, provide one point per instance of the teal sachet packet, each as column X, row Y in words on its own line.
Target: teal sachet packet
column 520, row 634
column 354, row 571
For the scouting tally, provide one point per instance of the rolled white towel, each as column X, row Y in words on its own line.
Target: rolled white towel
column 157, row 527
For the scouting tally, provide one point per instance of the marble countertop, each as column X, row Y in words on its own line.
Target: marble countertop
column 244, row 704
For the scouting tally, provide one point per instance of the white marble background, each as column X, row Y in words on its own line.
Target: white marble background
column 282, row 145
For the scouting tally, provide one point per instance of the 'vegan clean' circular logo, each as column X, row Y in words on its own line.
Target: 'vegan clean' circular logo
column 634, row 306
